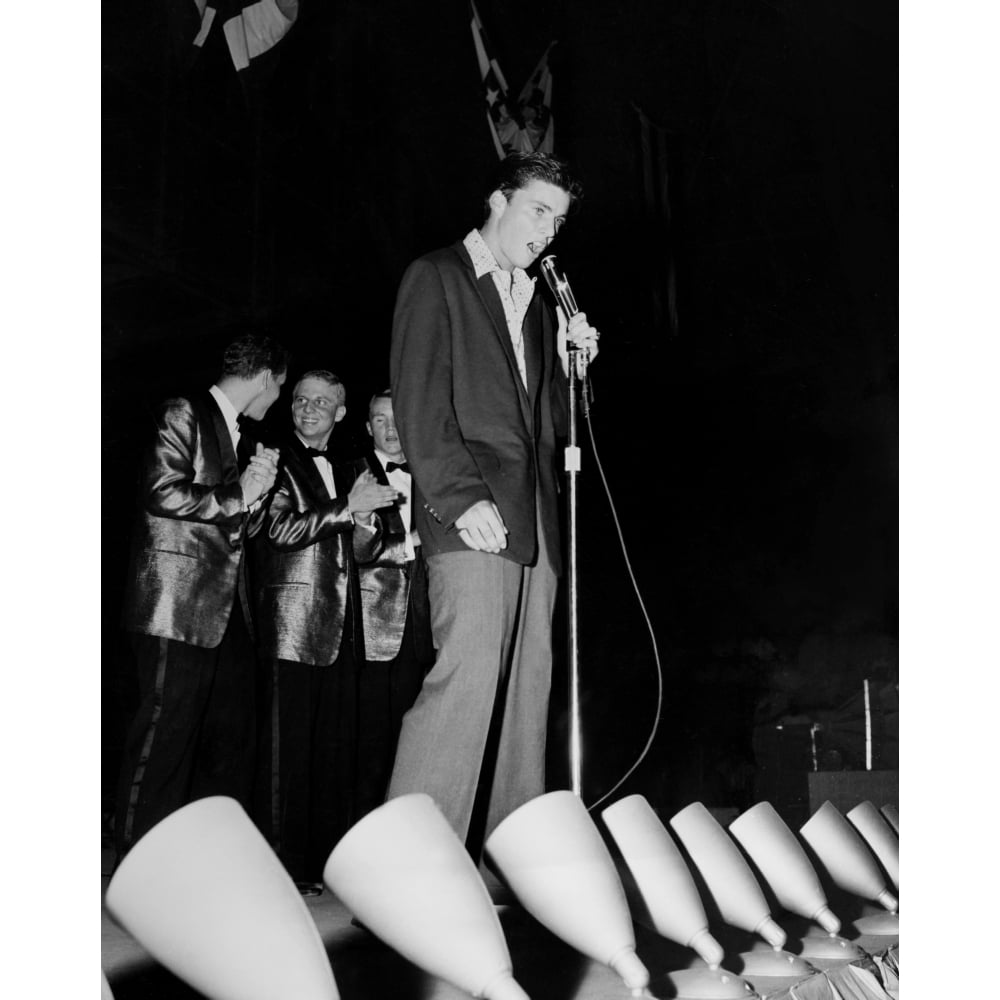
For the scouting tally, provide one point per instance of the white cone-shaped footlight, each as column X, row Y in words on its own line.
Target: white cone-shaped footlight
column 735, row 890
column 553, row 858
column 880, row 837
column 846, row 857
column 206, row 896
column 774, row 849
column 662, row 876
column 669, row 897
column 787, row 870
column 403, row 872
column 891, row 814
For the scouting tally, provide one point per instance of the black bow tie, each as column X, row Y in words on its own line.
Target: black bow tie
column 316, row 453
column 402, row 466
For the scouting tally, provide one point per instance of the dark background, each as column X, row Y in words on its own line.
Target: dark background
column 751, row 453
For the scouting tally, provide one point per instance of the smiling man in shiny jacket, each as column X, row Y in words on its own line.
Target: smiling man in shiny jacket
column 318, row 525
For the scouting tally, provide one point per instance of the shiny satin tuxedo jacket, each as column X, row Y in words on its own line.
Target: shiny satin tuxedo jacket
column 304, row 573
column 385, row 585
column 188, row 544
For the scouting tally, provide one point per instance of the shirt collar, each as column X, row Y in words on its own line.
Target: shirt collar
column 483, row 260
column 306, row 444
column 229, row 413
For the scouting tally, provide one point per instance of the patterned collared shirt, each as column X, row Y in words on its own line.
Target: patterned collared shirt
column 515, row 288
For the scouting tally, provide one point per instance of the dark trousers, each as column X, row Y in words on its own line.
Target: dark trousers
column 308, row 761
column 388, row 690
column 193, row 733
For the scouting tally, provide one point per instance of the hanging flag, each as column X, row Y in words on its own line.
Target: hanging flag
column 494, row 88
column 658, row 235
column 525, row 124
column 535, row 108
column 252, row 27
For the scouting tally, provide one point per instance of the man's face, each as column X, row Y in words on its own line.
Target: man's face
column 519, row 230
column 382, row 428
column 316, row 407
column 270, row 390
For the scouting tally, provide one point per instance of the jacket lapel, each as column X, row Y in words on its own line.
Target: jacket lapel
column 533, row 348
column 486, row 289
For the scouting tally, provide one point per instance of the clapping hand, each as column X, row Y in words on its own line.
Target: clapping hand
column 258, row 477
column 367, row 495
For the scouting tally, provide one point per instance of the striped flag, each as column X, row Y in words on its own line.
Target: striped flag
column 494, row 88
column 525, row 124
column 252, row 27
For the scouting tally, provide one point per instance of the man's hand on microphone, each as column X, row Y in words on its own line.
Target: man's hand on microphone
column 578, row 332
column 481, row 527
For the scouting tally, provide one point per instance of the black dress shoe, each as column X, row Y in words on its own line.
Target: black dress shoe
column 309, row 888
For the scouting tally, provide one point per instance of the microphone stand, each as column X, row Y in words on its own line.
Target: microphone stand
column 577, row 387
column 577, row 378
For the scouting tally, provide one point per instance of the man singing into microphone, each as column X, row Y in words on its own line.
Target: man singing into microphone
column 478, row 368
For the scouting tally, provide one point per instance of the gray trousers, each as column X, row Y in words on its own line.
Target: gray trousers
column 492, row 624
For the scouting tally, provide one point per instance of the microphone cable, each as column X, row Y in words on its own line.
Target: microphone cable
column 584, row 390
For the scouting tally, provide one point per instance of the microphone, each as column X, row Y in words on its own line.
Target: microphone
column 559, row 285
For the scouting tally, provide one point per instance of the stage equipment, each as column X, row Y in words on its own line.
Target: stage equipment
column 206, row 896
column 736, row 892
column 891, row 813
column 851, row 866
column 662, row 877
column 666, row 898
column 780, row 858
column 550, row 853
column 787, row 871
column 880, row 837
column 846, row 857
column 578, row 389
column 403, row 872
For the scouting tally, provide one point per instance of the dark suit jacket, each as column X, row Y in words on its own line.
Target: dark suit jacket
column 468, row 427
column 304, row 571
column 385, row 586
column 188, row 540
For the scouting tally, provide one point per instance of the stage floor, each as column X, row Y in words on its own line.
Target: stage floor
column 366, row 969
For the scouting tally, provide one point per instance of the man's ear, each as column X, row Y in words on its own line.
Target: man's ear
column 497, row 202
column 340, row 414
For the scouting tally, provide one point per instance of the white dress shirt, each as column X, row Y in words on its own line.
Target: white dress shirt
column 324, row 468
column 232, row 419
column 402, row 482
column 229, row 414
